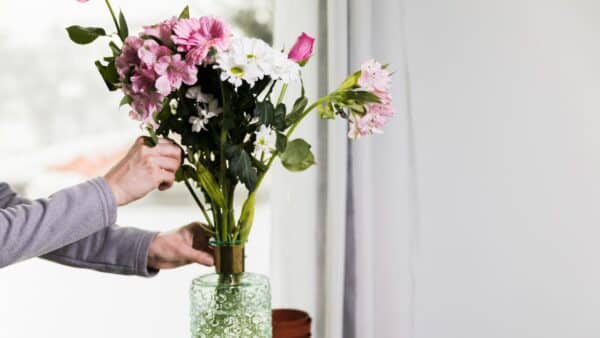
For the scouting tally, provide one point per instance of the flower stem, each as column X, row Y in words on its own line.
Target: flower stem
column 114, row 17
column 282, row 93
column 189, row 187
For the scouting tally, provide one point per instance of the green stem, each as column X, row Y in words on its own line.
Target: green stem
column 222, row 173
column 222, row 168
column 191, row 190
column 306, row 112
column 282, row 93
column 114, row 17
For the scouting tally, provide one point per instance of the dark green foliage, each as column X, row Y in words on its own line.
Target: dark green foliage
column 84, row 35
column 297, row 111
column 297, row 156
column 109, row 74
column 123, row 28
column 241, row 167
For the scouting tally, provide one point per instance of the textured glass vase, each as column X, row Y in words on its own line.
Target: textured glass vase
column 230, row 305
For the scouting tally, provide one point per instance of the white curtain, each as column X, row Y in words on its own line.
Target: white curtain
column 344, row 235
column 381, row 210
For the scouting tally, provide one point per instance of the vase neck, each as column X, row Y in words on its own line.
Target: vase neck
column 229, row 259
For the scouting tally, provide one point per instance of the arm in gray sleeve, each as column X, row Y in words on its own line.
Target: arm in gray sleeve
column 114, row 249
column 74, row 227
column 34, row 228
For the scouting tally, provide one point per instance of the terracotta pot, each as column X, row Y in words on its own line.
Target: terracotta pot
column 289, row 323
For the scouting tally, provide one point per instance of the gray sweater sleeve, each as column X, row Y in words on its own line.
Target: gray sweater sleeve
column 75, row 226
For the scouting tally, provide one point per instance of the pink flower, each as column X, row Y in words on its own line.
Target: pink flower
column 162, row 31
column 83, row 1
column 129, row 56
column 374, row 77
column 376, row 116
column 142, row 81
column 146, row 100
column 151, row 51
column 197, row 36
column 172, row 72
column 302, row 49
column 144, row 106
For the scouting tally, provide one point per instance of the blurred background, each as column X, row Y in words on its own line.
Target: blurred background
column 473, row 216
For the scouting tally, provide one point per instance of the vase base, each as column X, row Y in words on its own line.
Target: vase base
column 231, row 306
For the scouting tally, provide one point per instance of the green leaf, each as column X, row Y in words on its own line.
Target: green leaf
column 114, row 48
column 297, row 111
column 210, row 186
column 126, row 100
column 109, row 74
column 348, row 97
column 247, row 217
column 326, row 111
column 351, row 81
column 260, row 166
column 281, row 143
column 185, row 14
column 240, row 164
column 123, row 28
column 265, row 113
column 84, row 35
column 185, row 172
column 279, row 117
column 297, row 156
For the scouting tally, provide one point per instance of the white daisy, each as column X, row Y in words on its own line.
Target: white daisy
column 283, row 68
column 247, row 59
column 266, row 140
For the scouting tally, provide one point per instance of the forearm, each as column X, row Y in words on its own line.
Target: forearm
column 113, row 250
column 34, row 228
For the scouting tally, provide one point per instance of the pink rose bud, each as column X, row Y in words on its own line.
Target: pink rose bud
column 302, row 49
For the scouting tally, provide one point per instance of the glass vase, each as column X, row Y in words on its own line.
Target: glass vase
column 230, row 303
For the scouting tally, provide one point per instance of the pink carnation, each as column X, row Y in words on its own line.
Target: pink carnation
column 129, row 56
column 198, row 35
column 374, row 77
column 151, row 51
column 172, row 72
column 162, row 31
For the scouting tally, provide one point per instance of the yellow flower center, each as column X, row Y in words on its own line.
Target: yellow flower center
column 237, row 71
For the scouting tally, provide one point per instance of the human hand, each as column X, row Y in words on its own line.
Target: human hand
column 144, row 169
column 189, row 244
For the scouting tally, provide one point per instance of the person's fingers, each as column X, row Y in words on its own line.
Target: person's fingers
column 166, row 163
column 165, row 179
column 197, row 256
column 201, row 239
column 169, row 149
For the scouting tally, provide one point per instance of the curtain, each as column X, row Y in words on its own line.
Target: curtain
column 358, row 207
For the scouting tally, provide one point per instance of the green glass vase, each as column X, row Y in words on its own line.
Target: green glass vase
column 230, row 303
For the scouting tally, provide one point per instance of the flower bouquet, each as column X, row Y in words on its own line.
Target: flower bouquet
column 221, row 98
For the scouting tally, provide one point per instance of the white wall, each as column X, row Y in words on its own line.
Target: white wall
column 506, row 101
